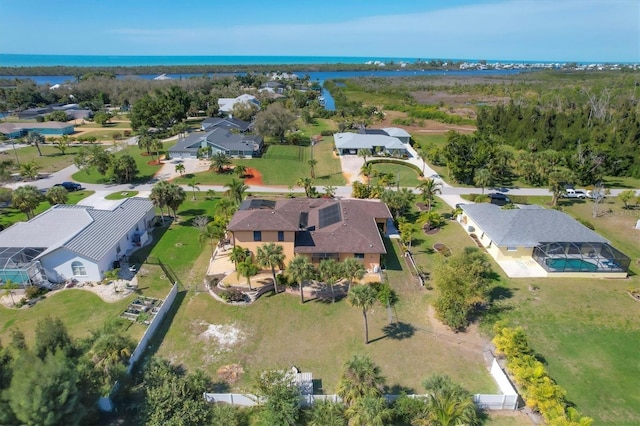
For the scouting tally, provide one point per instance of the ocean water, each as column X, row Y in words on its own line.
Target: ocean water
column 15, row 60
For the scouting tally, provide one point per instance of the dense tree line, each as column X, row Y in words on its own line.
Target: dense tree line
column 57, row 380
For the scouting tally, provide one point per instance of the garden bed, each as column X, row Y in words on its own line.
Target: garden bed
column 443, row 249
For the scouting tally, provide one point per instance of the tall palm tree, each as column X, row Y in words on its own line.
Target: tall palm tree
column 237, row 256
column 156, row 147
column 361, row 377
column 219, row 161
column 312, row 163
column 175, row 198
column 159, row 196
column 57, row 195
column 307, row 184
column 352, row 269
column 367, row 170
column 211, row 232
column 271, row 255
column 35, row 138
column 363, row 297
column 557, row 181
column 429, row 188
column 330, row 272
column 248, row 269
column 194, row 186
column 300, row 270
column 26, row 199
column 369, row 411
column 483, row 178
column 235, row 190
column 180, row 169
column 226, row 206
column 145, row 141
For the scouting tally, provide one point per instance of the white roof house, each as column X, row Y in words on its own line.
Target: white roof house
column 399, row 133
column 226, row 104
column 350, row 143
column 73, row 242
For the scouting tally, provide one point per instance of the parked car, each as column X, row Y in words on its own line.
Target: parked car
column 70, row 186
column 572, row 193
column 499, row 199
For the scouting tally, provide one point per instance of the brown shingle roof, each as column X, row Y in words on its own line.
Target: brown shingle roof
column 349, row 226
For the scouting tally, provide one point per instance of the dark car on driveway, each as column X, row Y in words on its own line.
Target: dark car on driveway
column 70, row 186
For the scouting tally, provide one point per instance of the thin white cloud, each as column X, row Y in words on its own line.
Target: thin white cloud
column 519, row 29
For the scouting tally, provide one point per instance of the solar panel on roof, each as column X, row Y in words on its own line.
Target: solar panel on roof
column 304, row 219
column 329, row 215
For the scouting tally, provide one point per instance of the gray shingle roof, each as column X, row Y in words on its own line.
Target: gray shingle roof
column 221, row 139
column 528, row 227
column 227, row 123
column 87, row 231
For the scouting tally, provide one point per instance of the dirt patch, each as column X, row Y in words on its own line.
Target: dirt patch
column 431, row 231
column 470, row 339
column 230, row 373
column 457, row 100
column 253, row 177
column 155, row 163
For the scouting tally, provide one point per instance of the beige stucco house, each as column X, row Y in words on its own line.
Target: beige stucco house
column 556, row 242
column 318, row 228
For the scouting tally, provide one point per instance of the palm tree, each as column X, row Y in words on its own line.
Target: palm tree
column 367, row 170
column 145, row 141
column 227, row 206
column 159, row 196
column 483, row 178
column 312, row 163
column 364, row 153
column 307, row 184
column 180, row 169
column 557, row 182
column 429, row 188
column 300, row 270
column 363, row 297
column 424, row 153
column 235, row 190
column 219, row 161
column 30, row 170
column 240, row 170
column 271, row 255
column 194, row 186
column 26, row 199
column 176, row 197
column 211, row 232
column 352, row 269
column 8, row 288
column 369, row 411
column 449, row 404
column 248, row 269
column 327, row 413
column 237, row 256
column 330, row 272
column 156, row 147
column 57, row 195
column 360, row 378
column 35, row 138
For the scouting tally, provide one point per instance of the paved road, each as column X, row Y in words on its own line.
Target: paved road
column 450, row 194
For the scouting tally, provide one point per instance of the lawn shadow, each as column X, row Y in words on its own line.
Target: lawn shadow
column 317, row 386
column 399, row 330
column 391, row 261
column 140, row 256
column 193, row 213
column 397, row 389
column 500, row 292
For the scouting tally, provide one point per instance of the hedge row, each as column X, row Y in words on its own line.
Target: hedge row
column 395, row 161
column 538, row 390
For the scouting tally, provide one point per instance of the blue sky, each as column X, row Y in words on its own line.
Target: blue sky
column 537, row 30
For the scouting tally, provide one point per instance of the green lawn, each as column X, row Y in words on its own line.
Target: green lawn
column 10, row 215
column 121, row 195
column 284, row 165
column 145, row 170
column 51, row 160
column 406, row 175
column 105, row 134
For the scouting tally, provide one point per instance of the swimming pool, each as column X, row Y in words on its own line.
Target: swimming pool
column 571, row 265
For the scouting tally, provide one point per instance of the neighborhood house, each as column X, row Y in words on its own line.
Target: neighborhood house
column 376, row 142
column 55, row 128
column 545, row 240
column 317, row 228
column 73, row 242
column 217, row 140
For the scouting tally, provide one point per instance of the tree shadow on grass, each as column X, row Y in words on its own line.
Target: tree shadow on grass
column 500, row 292
column 399, row 330
column 192, row 213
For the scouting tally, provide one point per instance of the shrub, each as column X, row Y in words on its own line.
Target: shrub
column 33, row 291
column 232, row 295
column 327, row 132
column 126, row 133
column 586, row 223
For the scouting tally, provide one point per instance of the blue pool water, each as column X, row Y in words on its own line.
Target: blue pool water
column 571, row 265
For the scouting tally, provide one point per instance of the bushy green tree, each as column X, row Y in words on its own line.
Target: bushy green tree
column 124, row 169
column 26, row 198
column 275, row 121
column 281, row 398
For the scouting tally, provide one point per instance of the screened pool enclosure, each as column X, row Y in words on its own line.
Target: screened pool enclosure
column 580, row 257
column 18, row 265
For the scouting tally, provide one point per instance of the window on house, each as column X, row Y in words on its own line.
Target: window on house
column 280, row 235
column 512, row 248
column 358, row 255
column 118, row 246
column 78, row 269
column 257, row 235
